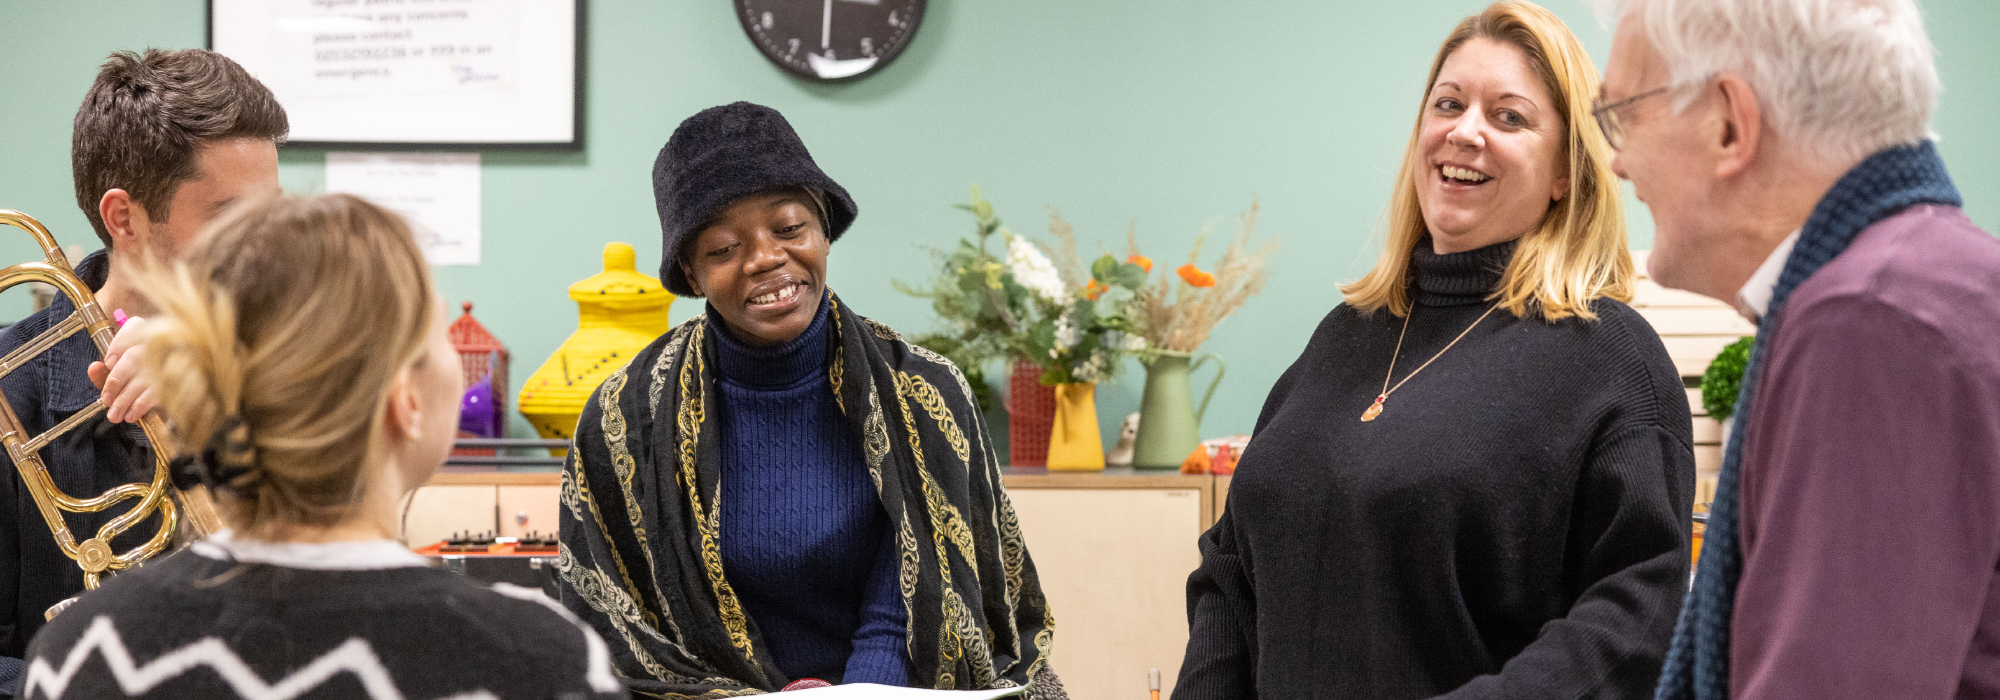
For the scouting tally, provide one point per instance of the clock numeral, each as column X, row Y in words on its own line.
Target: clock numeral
column 892, row 19
column 794, row 49
column 768, row 21
column 867, row 46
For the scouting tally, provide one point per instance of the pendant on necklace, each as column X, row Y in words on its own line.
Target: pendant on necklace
column 1374, row 409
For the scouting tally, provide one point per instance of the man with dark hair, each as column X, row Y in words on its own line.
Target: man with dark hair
column 164, row 142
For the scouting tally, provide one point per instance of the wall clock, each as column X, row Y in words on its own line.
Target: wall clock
column 830, row 39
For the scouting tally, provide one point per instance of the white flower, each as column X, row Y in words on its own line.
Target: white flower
column 1033, row 270
column 1135, row 342
column 1065, row 333
column 1091, row 370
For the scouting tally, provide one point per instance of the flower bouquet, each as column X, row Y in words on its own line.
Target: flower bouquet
column 1178, row 313
column 1173, row 317
column 1063, row 326
column 1080, row 337
column 978, row 299
column 1084, row 327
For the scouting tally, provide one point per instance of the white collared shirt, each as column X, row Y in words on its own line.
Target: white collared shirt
column 1754, row 299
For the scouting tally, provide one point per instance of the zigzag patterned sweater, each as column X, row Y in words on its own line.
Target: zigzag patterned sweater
column 369, row 620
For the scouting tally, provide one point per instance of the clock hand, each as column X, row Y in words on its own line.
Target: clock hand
column 826, row 27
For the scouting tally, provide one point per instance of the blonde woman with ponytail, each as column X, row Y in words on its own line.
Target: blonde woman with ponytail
column 300, row 354
column 1475, row 481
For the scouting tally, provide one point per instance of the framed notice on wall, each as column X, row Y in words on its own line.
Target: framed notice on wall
column 422, row 74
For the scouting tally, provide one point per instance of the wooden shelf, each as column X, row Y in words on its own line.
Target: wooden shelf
column 1109, row 478
column 494, row 477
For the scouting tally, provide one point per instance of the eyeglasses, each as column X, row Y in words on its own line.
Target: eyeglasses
column 1607, row 115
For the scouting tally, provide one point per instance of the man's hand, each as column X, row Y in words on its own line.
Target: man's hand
column 128, row 394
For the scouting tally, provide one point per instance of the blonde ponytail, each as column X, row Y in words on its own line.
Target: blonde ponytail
column 277, row 340
column 194, row 356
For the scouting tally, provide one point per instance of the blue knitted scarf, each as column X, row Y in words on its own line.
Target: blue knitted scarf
column 1697, row 665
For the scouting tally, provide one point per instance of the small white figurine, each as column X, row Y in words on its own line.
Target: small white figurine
column 1121, row 453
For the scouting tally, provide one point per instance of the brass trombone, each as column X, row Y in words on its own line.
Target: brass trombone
column 94, row 555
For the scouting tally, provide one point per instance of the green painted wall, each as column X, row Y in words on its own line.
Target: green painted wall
column 1166, row 113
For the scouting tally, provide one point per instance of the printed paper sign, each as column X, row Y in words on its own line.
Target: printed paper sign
column 437, row 193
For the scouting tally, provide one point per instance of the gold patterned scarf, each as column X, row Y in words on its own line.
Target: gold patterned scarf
column 641, row 559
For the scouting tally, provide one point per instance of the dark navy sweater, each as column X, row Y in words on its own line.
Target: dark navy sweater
column 805, row 540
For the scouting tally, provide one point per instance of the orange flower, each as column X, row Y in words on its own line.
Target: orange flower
column 1195, row 277
column 1144, row 263
column 1094, row 290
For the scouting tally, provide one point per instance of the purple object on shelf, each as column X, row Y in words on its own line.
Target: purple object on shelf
column 477, row 416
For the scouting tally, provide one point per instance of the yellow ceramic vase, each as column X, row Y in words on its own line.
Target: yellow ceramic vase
column 1074, row 444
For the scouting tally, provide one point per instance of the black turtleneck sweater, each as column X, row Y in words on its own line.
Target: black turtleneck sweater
column 1515, row 524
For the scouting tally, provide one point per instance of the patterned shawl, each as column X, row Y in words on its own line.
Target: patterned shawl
column 640, row 557
column 1697, row 665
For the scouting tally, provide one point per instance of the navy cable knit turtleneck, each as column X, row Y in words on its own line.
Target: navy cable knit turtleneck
column 804, row 538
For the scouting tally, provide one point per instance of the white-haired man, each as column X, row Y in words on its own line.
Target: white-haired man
column 1784, row 149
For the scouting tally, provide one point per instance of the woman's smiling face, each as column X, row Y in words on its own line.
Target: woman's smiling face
column 1492, row 148
column 762, row 265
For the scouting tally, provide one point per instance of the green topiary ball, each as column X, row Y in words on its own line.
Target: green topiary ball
column 1724, row 379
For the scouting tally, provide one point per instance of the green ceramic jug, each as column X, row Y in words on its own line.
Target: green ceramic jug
column 1169, row 421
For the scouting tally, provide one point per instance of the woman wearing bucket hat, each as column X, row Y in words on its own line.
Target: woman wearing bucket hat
column 781, row 489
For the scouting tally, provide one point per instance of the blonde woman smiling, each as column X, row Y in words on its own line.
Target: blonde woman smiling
column 1475, row 481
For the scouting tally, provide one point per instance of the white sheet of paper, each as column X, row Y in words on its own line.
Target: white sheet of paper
column 411, row 71
column 324, row 49
column 871, row 691
column 438, row 193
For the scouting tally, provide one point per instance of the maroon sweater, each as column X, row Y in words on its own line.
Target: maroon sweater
column 1871, row 482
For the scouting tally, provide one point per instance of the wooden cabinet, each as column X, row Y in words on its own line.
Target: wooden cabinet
column 1114, row 551
column 510, row 504
column 437, row 510
column 526, row 508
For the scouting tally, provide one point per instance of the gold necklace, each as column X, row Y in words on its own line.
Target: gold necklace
column 1375, row 409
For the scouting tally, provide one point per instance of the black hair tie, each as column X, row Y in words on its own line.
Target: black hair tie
column 227, row 462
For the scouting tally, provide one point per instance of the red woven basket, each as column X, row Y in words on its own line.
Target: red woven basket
column 1031, row 414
